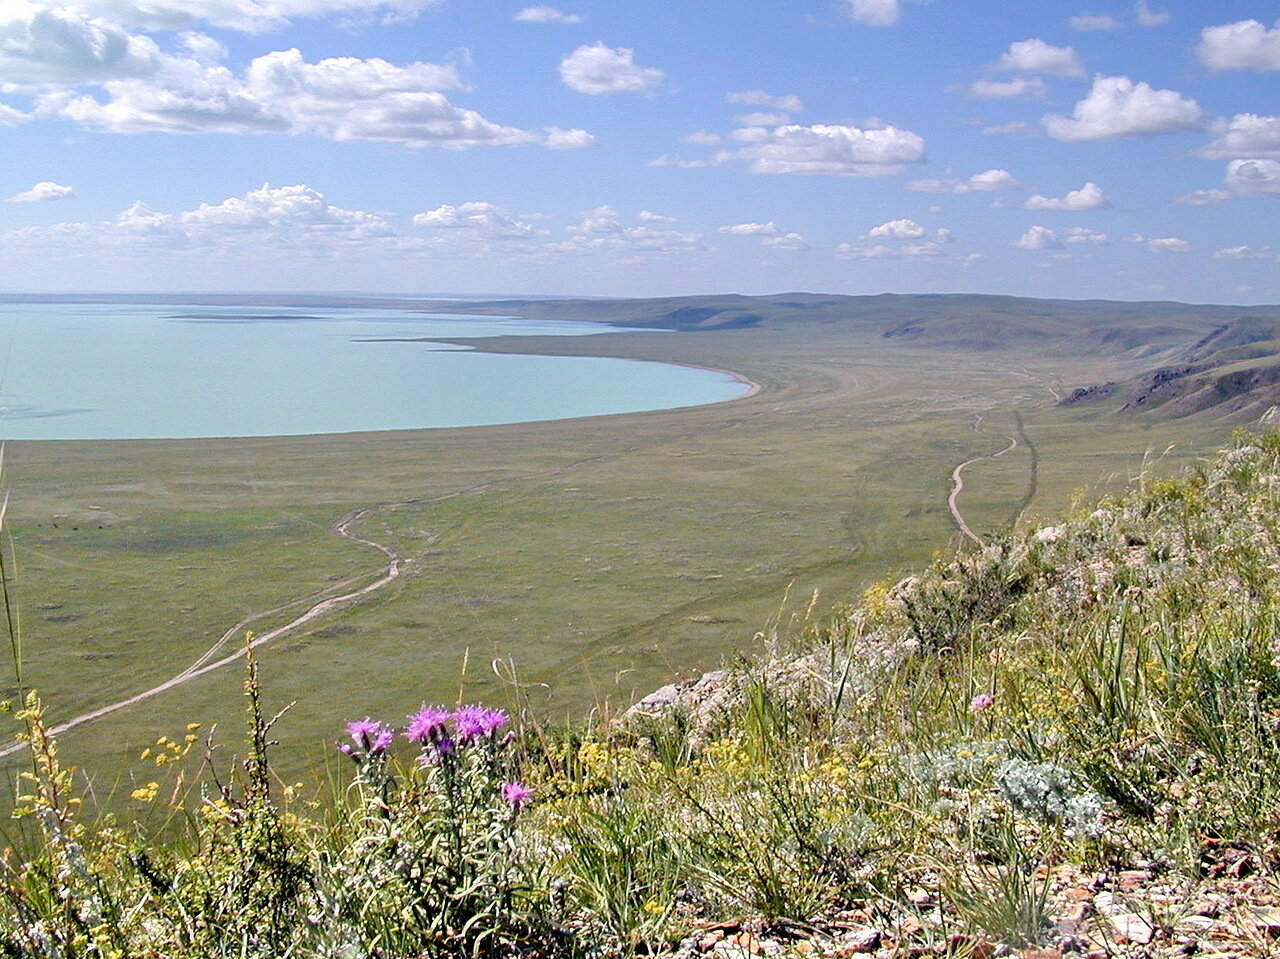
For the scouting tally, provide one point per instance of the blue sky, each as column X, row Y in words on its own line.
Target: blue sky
column 618, row 147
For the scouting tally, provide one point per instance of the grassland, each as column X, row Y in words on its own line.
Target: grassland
column 600, row 556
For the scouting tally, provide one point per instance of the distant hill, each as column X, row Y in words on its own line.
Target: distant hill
column 975, row 321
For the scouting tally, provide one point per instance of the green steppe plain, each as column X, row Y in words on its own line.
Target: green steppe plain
column 599, row 557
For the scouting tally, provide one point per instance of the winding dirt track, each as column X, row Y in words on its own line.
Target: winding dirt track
column 957, row 484
column 207, row 662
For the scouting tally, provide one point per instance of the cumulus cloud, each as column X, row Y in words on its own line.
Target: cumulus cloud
column 340, row 98
column 1244, row 45
column 1092, row 21
column 546, row 15
column 1243, row 253
column 603, row 230
column 1007, row 89
column 1169, row 244
column 880, row 251
column 1039, row 238
column 1117, row 107
column 63, row 46
column 557, row 139
column 1144, row 16
column 1079, row 235
column 988, row 181
column 721, row 158
column 1088, row 197
column 1013, row 126
column 479, row 218
column 1245, row 135
column 829, row 149
column 248, row 16
column 43, row 192
column 599, row 70
column 1253, row 177
column 785, row 241
column 758, row 98
column 764, row 119
column 1210, row 197
column 875, row 13
column 750, row 229
column 896, row 230
column 1036, row 56
column 294, row 217
column 648, row 216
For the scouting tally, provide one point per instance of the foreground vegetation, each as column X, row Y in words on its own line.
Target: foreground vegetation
column 1067, row 741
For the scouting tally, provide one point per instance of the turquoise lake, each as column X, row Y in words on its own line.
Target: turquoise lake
column 110, row 371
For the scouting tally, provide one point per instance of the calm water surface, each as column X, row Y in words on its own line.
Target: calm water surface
column 107, row 371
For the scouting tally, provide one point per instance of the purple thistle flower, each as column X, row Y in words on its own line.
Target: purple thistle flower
column 427, row 725
column 516, row 794
column 347, row 750
column 370, row 736
column 382, row 741
column 980, row 702
column 440, row 749
column 474, row 722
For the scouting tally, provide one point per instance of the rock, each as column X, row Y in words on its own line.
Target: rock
column 864, row 940
column 1132, row 928
column 1267, row 919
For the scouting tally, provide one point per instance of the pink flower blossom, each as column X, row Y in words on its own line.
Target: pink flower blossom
column 475, row 722
column 427, row 725
column 516, row 794
column 980, row 702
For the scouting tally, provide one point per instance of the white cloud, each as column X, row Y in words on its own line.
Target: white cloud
column 9, row 117
column 721, row 158
column 43, row 192
column 599, row 70
column 557, row 139
column 758, row 98
column 1204, row 197
column 787, row 241
column 1079, row 235
column 875, row 13
column 1117, row 107
column 1088, row 197
column 702, row 137
column 1243, row 253
column 1092, row 21
column 1039, row 238
column 1244, row 45
column 1013, row 126
column 1169, row 244
column 482, row 219
column 63, row 46
column 1253, row 177
column 603, row 230
column 1245, row 135
column 341, row 98
column 880, row 251
column 988, row 181
column 296, row 218
column 546, row 15
column 828, row 149
column 648, row 216
column 750, row 229
column 1007, row 89
column 249, row 16
column 1144, row 16
column 1036, row 56
column 764, row 119
column 896, row 230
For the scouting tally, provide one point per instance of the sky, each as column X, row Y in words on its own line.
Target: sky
column 1079, row 149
